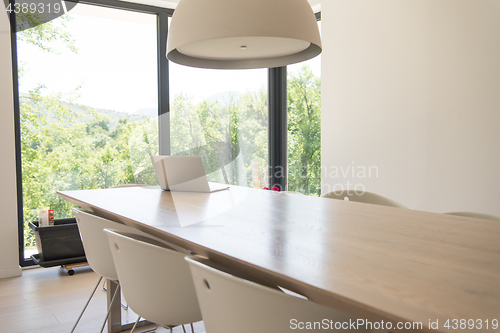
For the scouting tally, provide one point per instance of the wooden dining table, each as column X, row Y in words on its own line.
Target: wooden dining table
column 375, row 263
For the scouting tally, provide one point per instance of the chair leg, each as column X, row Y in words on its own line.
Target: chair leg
column 109, row 309
column 192, row 328
column 85, row 307
column 133, row 328
column 124, row 306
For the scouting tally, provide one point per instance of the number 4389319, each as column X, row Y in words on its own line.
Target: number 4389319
column 33, row 7
column 477, row 324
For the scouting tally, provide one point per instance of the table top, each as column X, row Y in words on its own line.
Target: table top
column 372, row 262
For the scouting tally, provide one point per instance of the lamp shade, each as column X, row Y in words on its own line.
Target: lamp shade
column 240, row 34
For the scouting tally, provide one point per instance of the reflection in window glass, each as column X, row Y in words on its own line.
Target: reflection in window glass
column 88, row 105
column 304, row 126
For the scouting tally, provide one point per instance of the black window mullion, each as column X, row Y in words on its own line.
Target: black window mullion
column 277, row 127
column 163, row 87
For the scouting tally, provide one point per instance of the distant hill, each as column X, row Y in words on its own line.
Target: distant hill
column 148, row 112
column 85, row 113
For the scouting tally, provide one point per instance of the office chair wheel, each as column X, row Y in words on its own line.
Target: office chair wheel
column 69, row 267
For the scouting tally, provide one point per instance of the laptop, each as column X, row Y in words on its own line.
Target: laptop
column 183, row 173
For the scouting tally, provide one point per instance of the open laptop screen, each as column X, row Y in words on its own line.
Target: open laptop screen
column 182, row 173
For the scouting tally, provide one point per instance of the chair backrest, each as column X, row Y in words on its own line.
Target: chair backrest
column 476, row 215
column 95, row 242
column 232, row 304
column 155, row 281
column 366, row 197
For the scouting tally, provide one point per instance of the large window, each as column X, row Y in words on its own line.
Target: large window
column 88, row 105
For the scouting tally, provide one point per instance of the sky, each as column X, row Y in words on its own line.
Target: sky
column 116, row 65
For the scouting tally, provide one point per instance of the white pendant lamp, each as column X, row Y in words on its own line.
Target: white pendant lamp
column 240, row 34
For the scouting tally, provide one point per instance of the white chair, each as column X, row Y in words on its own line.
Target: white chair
column 476, row 215
column 233, row 304
column 366, row 197
column 155, row 280
column 95, row 244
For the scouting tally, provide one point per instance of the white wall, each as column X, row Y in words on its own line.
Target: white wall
column 9, row 255
column 413, row 88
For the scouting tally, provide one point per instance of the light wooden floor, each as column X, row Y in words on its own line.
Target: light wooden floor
column 49, row 300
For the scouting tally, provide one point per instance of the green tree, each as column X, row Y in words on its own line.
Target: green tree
column 253, row 120
column 66, row 146
column 34, row 130
column 230, row 134
column 43, row 34
column 304, row 132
